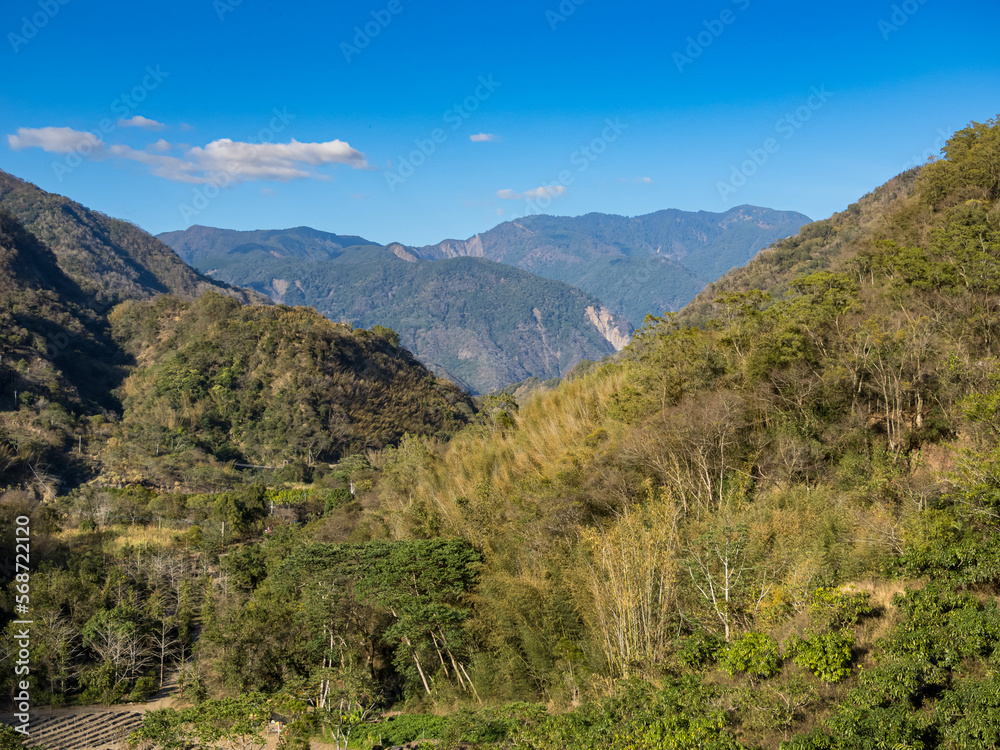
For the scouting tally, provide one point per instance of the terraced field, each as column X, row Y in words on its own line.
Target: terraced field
column 106, row 730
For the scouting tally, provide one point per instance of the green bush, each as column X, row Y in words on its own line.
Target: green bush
column 401, row 729
column 494, row 724
column 144, row 688
column 698, row 649
column 832, row 609
column 756, row 654
column 826, row 655
column 336, row 498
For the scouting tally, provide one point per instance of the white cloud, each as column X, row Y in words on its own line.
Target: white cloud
column 268, row 192
column 274, row 161
column 484, row 138
column 223, row 160
column 141, row 122
column 55, row 140
column 546, row 191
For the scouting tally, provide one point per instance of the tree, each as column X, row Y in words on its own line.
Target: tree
column 716, row 564
column 630, row 583
column 115, row 635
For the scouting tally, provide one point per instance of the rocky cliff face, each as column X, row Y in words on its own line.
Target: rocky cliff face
column 614, row 331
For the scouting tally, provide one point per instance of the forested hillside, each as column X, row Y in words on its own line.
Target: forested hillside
column 777, row 528
column 481, row 324
column 215, row 379
column 175, row 391
column 111, row 260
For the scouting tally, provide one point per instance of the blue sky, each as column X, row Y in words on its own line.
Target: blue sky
column 415, row 121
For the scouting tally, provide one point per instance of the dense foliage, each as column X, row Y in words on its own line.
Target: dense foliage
column 265, row 386
column 481, row 324
column 111, row 260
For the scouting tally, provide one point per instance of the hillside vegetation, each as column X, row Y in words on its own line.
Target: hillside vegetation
column 481, row 324
column 264, row 386
column 112, row 260
column 176, row 390
column 776, row 529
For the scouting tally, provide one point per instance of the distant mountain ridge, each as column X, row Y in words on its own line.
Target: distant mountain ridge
column 573, row 288
column 634, row 265
column 482, row 324
column 299, row 242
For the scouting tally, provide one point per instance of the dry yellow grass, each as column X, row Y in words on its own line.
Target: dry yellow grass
column 135, row 536
column 880, row 594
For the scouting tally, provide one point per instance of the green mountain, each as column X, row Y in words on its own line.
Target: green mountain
column 481, row 324
column 162, row 388
column 51, row 344
column 112, row 260
column 57, row 359
column 485, row 327
column 635, row 266
column 198, row 242
column 217, row 381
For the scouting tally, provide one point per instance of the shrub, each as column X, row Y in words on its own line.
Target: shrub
column 826, row 655
column 144, row 688
column 401, row 730
column 754, row 653
column 698, row 649
column 832, row 609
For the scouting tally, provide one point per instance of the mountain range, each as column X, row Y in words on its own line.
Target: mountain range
column 527, row 299
column 635, row 265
